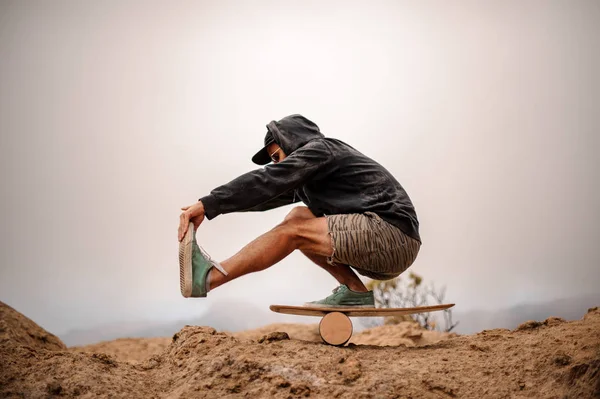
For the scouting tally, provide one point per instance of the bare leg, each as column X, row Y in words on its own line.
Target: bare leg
column 308, row 234
column 342, row 273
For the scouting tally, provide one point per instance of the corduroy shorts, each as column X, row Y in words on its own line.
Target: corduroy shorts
column 370, row 245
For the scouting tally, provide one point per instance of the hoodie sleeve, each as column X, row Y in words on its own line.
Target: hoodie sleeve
column 253, row 190
column 284, row 199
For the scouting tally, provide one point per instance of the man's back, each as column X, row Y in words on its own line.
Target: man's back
column 351, row 182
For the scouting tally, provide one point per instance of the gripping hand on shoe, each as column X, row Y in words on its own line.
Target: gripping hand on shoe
column 193, row 213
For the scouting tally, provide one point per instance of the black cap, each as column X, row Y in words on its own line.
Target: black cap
column 262, row 157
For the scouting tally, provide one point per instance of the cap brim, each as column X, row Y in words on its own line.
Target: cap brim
column 261, row 157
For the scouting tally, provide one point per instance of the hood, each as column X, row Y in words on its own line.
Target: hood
column 290, row 133
column 293, row 131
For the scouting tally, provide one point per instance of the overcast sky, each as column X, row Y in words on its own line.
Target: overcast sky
column 114, row 114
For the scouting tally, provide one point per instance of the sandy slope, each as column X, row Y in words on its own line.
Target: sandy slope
column 131, row 350
column 16, row 329
column 139, row 349
column 552, row 359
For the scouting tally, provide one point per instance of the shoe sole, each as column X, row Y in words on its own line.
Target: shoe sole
column 185, row 263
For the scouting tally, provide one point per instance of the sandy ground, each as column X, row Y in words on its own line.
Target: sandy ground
column 547, row 359
column 139, row 349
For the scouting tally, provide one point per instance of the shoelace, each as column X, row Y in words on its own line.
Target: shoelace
column 336, row 289
column 216, row 264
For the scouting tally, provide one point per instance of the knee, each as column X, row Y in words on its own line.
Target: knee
column 299, row 212
column 296, row 223
column 290, row 228
column 304, row 232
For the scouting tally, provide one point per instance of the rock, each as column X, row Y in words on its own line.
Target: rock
column 105, row 359
column 530, row 324
column 552, row 321
column 274, row 336
column 562, row 359
column 54, row 388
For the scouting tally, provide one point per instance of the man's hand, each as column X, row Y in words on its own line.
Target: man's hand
column 193, row 213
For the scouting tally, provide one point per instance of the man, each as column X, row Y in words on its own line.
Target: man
column 357, row 216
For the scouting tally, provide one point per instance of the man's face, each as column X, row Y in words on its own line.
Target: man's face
column 276, row 153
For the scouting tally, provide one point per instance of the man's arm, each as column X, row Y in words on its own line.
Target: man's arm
column 195, row 213
column 254, row 190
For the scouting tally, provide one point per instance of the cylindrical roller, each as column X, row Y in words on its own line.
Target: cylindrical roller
column 335, row 328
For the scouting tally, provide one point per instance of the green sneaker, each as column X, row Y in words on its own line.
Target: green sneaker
column 344, row 297
column 194, row 265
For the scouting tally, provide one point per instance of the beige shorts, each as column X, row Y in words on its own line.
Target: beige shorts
column 370, row 245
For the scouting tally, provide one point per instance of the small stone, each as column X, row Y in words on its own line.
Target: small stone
column 300, row 390
column 530, row 324
column 235, row 388
column 562, row 359
column 274, row 336
column 553, row 321
column 481, row 348
column 280, row 382
column 284, row 384
column 104, row 358
column 226, row 374
column 54, row 388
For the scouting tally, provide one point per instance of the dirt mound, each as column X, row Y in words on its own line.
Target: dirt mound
column 139, row 349
column 404, row 333
column 16, row 329
column 549, row 359
column 127, row 349
column 303, row 332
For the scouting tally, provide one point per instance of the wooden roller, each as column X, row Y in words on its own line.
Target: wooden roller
column 335, row 328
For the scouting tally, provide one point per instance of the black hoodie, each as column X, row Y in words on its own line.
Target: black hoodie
column 328, row 175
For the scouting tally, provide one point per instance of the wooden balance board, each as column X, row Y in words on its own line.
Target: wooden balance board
column 335, row 327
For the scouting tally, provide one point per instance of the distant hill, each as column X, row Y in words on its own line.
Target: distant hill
column 223, row 316
column 569, row 309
